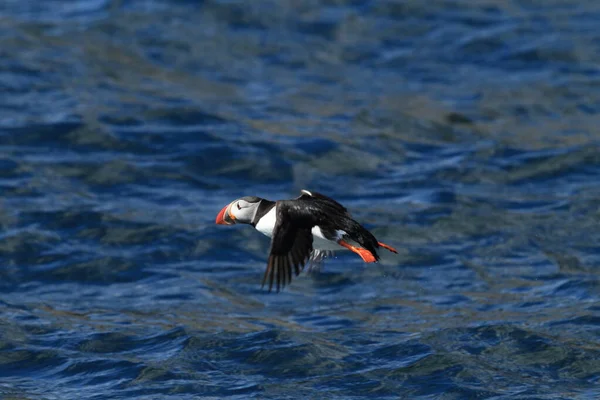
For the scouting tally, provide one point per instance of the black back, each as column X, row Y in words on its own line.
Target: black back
column 313, row 208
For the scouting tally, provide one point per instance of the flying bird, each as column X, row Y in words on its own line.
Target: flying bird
column 306, row 228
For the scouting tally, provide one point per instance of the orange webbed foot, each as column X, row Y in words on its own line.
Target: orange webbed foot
column 365, row 254
column 390, row 248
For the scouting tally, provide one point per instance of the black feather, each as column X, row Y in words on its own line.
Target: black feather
column 291, row 245
column 292, row 241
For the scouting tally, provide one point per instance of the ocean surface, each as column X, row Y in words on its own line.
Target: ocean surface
column 464, row 133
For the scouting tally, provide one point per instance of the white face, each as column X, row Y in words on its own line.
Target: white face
column 243, row 211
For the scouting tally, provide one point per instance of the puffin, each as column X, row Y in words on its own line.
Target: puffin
column 307, row 228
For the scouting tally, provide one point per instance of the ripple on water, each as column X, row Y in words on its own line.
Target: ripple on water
column 463, row 134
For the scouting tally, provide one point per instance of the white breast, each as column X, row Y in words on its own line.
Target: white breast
column 266, row 224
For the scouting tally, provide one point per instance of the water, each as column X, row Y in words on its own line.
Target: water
column 464, row 133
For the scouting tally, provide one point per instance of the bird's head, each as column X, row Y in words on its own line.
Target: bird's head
column 239, row 211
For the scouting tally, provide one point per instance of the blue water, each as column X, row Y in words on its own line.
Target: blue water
column 464, row 133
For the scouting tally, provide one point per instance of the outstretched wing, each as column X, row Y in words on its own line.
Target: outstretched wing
column 291, row 247
column 316, row 259
column 310, row 195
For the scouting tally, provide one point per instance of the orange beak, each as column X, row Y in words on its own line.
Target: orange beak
column 224, row 217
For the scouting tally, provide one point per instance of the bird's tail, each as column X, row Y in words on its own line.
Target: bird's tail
column 366, row 240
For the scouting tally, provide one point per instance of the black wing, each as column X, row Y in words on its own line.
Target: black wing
column 306, row 195
column 291, row 246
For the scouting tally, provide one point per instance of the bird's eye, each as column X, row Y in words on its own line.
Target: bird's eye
column 238, row 206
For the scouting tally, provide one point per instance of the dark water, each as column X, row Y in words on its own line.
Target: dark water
column 465, row 133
